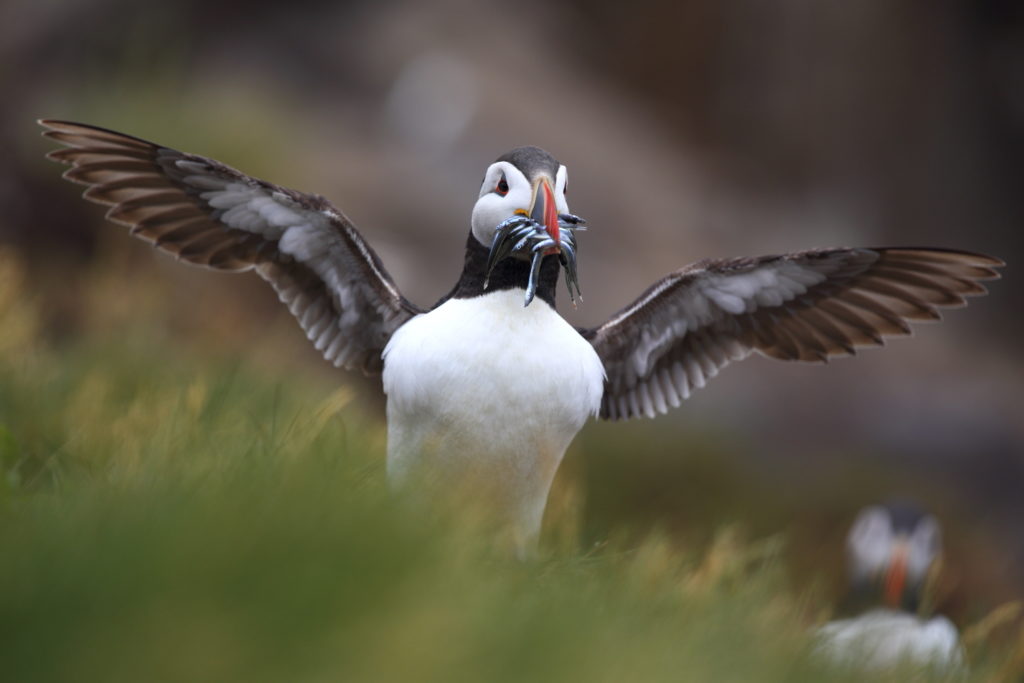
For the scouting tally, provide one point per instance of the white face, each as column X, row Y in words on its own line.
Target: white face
column 504, row 191
column 871, row 543
column 923, row 547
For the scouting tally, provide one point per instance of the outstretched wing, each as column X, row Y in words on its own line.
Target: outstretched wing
column 209, row 214
column 805, row 306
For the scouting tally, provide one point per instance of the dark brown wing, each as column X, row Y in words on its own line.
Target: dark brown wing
column 209, row 214
column 805, row 306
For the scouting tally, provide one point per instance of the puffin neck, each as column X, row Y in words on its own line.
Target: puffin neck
column 509, row 273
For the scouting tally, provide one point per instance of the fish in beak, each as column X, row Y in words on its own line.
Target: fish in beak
column 541, row 231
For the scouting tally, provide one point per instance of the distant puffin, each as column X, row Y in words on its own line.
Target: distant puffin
column 890, row 550
column 484, row 387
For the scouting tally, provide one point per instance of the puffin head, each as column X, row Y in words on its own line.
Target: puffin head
column 522, row 213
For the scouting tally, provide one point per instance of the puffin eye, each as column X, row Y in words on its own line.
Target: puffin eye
column 502, row 187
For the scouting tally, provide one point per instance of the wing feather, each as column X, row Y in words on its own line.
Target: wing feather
column 208, row 214
column 808, row 306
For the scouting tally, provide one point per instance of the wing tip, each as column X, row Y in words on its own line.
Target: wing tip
column 57, row 126
column 50, row 124
column 975, row 257
column 54, row 128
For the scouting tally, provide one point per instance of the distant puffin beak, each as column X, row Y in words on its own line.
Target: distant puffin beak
column 544, row 211
column 896, row 575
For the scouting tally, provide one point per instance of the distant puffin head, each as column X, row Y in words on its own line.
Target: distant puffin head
column 890, row 549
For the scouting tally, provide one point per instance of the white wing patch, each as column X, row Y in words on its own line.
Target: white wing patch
column 771, row 285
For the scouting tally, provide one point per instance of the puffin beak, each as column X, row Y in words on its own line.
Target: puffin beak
column 544, row 212
column 534, row 234
column 896, row 574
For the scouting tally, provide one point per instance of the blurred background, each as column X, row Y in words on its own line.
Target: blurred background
column 690, row 129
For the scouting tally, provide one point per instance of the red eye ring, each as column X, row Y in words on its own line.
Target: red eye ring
column 502, row 187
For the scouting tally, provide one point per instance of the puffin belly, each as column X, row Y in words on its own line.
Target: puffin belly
column 489, row 389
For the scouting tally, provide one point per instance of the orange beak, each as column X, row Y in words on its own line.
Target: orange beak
column 896, row 576
column 545, row 212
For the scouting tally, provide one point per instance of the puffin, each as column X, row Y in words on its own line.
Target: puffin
column 487, row 388
column 891, row 551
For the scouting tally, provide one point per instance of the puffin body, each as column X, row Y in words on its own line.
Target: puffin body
column 487, row 388
column 882, row 638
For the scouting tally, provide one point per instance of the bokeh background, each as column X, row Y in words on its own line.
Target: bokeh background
column 690, row 129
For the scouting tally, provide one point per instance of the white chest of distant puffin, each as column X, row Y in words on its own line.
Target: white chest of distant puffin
column 491, row 381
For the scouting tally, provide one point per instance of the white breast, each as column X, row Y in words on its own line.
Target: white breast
column 883, row 637
column 488, row 386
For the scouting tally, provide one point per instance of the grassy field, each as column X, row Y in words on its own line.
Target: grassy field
column 173, row 516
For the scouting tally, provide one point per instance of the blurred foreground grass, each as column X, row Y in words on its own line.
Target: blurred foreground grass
column 167, row 516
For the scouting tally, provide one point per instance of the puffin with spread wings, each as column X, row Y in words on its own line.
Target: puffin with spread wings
column 492, row 384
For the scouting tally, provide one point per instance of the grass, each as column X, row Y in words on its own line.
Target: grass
column 167, row 515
